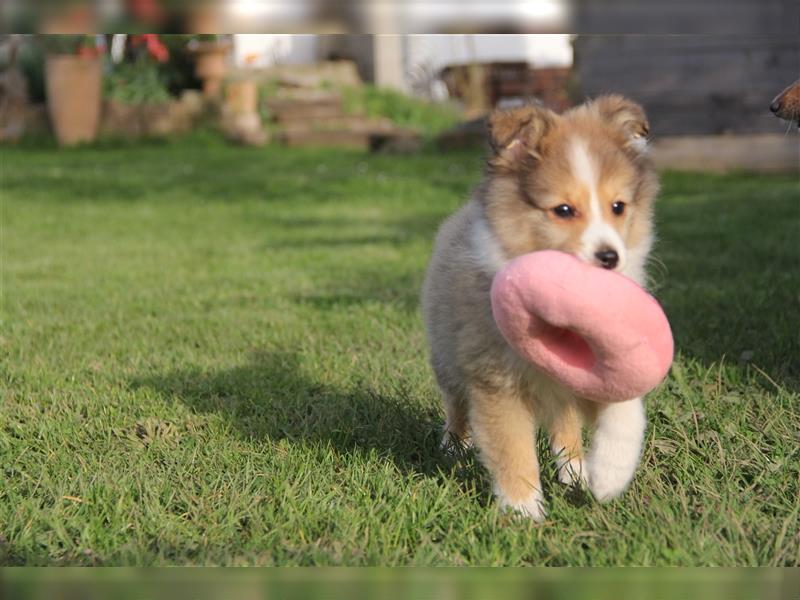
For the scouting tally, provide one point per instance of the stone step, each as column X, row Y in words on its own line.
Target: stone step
column 304, row 107
column 340, row 73
column 381, row 138
column 345, row 122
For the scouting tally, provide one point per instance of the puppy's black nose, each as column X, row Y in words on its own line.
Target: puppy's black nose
column 775, row 106
column 608, row 258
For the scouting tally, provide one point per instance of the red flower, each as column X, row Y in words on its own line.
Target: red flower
column 154, row 46
column 156, row 49
column 85, row 51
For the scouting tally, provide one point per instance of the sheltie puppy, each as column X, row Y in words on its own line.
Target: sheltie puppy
column 579, row 182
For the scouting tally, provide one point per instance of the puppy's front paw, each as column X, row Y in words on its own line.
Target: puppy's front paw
column 607, row 479
column 616, row 448
column 531, row 507
column 571, row 472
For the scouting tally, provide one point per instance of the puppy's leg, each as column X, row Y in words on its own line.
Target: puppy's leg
column 566, row 444
column 456, row 426
column 504, row 432
column 616, row 448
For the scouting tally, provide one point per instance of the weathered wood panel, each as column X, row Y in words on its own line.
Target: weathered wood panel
column 719, row 17
column 693, row 84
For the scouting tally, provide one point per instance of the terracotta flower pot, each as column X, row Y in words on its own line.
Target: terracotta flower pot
column 73, row 85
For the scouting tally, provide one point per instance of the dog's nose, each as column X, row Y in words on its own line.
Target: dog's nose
column 775, row 106
column 607, row 258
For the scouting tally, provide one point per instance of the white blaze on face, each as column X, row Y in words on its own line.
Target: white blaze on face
column 599, row 233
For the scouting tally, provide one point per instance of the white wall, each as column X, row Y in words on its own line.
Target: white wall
column 271, row 49
column 396, row 57
column 539, row 50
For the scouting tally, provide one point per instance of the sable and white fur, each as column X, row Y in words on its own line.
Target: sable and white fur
column 589, row 158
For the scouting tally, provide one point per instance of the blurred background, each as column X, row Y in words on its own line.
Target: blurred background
column 707, row 94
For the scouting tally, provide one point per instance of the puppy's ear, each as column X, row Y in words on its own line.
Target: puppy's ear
column 626, row 115
column 516, row 134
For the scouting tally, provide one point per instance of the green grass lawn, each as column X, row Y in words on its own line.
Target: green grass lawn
column 214, row 355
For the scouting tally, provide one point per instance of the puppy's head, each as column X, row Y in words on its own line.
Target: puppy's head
column 786, row 105
column 579, row 182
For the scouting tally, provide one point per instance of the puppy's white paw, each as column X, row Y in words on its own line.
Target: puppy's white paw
column 571, row 472
column 607, row 480
column 616, row 448
column 531, row 507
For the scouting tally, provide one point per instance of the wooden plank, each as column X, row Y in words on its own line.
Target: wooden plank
column 761, row 153
column 692, row 84
column 306, row 112
column 305, row 105
column 349, row 122
column 730, row 17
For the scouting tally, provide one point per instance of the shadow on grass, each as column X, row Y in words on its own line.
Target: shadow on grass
column 400, row 290
column 272, row 398
column 730, row 290
column 390, row 281
column 116, row 171
column 326, row 232
column 729, row 279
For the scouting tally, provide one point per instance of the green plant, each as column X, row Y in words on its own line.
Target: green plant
column 31, row 63
column 403, row 110
column 82, row 45
column 267, row 90
column 178, row 73
column 206, row 37
column 137, row 82
column 203, row 39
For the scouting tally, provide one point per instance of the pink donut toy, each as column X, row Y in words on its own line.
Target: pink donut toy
column 595, row 331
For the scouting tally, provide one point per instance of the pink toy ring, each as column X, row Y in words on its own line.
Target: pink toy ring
column 595, row 331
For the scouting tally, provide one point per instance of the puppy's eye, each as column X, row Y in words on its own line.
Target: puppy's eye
column 564, row 211
column 618, row 207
